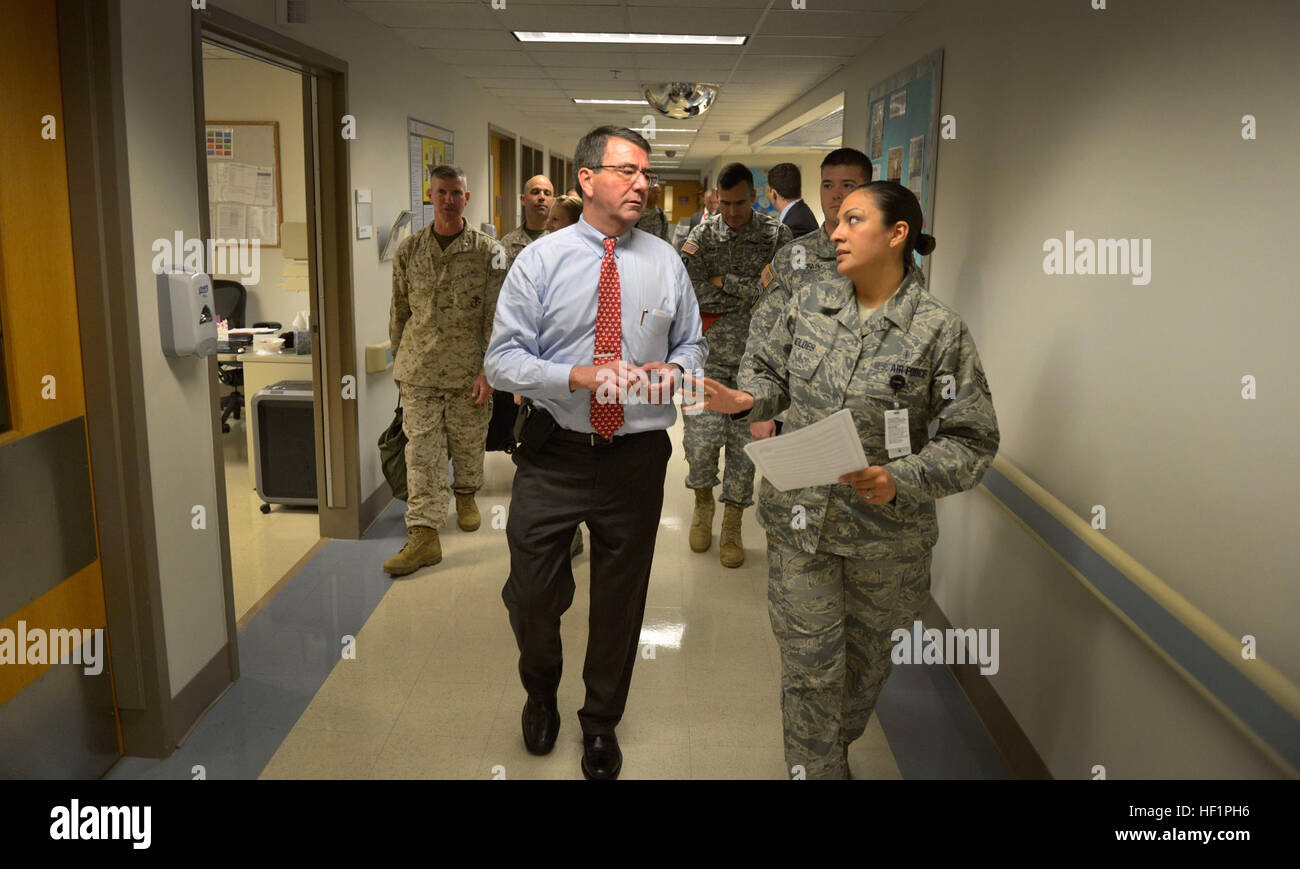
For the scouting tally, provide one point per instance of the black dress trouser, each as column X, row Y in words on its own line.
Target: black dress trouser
column 618, row 491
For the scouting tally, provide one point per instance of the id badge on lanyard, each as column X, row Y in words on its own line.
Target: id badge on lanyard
column 898, row 438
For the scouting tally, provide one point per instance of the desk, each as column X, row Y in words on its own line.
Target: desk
column 260, row 371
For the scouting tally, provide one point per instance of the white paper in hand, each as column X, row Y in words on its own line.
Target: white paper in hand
column 813, row 456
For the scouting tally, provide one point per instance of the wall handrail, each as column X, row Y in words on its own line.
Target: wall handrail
column 1253, row 694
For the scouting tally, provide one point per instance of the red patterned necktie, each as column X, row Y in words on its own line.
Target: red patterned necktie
column 607, row 417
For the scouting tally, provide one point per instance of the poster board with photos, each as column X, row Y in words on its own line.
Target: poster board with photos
column 244, row 195
column 903, row 130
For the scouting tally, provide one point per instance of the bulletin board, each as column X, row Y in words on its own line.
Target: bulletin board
column 761, row 202
column 903, row 130
column 244, row 198
column 428, row 146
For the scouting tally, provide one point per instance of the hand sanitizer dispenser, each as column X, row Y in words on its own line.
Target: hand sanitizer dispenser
column 187, row 318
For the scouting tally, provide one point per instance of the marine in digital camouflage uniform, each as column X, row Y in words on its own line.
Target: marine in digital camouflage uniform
column 440, row 324
column 843, row 574
column 516, row 240
column 739, row 256
column 535, row 206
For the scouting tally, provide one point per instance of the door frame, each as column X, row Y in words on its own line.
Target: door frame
column 510, row 179
column 153, row 721
column 338, row 480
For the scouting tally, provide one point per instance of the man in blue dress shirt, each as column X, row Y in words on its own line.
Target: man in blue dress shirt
column 594, row 324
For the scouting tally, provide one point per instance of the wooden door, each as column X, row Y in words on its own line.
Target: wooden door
column 57, row 719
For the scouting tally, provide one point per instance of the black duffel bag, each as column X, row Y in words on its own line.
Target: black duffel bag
column 392, row 454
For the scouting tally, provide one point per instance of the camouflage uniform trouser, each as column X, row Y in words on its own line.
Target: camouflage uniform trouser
column 438, row 421
column 705, row 434
column 833, row 616
column 708, row 432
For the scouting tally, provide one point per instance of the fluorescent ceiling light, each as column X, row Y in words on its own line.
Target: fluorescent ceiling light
column 670, row 130
column 614, row 102
column 629, row 38
column 655, row 144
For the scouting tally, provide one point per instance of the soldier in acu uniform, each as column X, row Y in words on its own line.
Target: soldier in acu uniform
column 724, row 257
column 807, row 258
column 445, row 284
column 849, row 562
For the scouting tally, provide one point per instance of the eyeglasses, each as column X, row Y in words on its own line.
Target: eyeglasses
column 629, row 171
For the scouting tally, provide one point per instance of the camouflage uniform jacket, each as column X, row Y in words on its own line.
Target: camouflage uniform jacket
column 786, row 273
column 654, row 222
column 516, row 240
column 739, row 255
column 443, row 303
column 818, row 358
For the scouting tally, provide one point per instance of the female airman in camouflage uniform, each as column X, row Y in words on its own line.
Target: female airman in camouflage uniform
column 849, row 562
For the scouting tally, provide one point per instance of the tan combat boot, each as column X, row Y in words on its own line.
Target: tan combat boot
column 466, row 511
column 422, row 548
column 732, row 549
column 702, row 521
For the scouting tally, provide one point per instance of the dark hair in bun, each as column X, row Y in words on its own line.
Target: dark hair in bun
column 897, row 204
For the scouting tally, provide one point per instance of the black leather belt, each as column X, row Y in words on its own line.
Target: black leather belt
column 590, row 438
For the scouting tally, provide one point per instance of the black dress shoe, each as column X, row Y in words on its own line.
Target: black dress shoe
column 541, row 722
column 601, row 759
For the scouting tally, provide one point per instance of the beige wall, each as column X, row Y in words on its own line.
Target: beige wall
column 389, row 80
column 1115, row 124
column 158, row 97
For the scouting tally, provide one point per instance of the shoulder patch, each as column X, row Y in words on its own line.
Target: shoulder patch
column 690, row 247
column 767, row 275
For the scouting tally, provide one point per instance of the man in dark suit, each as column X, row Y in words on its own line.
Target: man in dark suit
column 784, row 188
column 710, row 208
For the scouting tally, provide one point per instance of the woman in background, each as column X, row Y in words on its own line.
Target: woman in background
column 565, row 211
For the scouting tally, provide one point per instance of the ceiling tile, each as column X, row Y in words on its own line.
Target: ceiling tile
column 809, row 46
column 717, row 22
column 459, row 40
column 819, row 22
column 456, row 57
column 444, row 13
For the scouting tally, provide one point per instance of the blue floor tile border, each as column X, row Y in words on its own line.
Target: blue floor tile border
column 286, row 652
column 290, row 647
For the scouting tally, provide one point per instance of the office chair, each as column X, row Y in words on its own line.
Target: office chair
column 230, row 298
